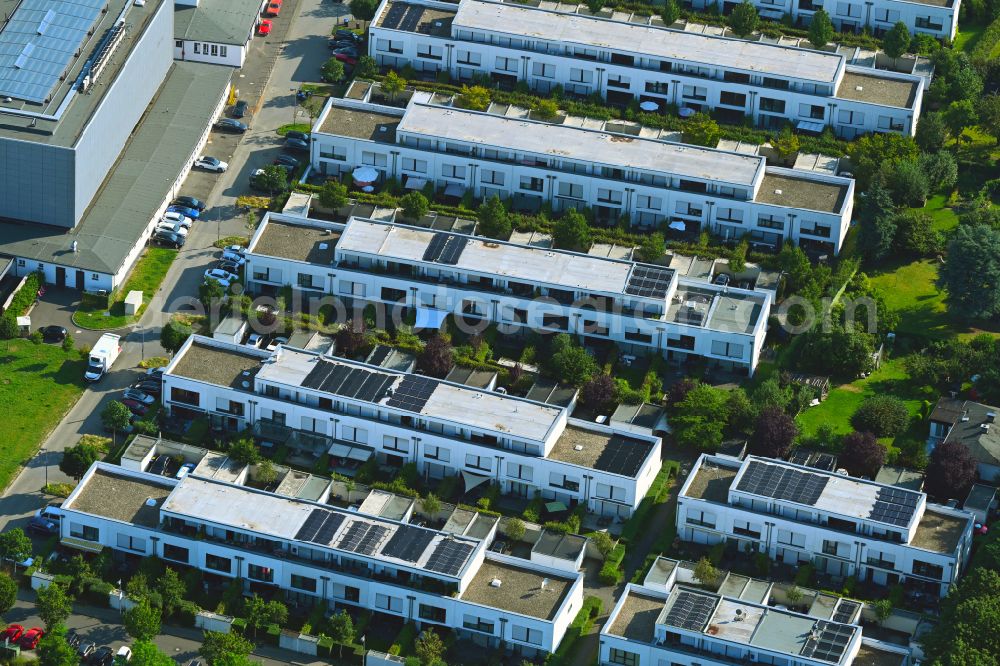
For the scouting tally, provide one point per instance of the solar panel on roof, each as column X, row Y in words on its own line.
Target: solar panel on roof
column 330, row 525
column 782, row 483
column 350, row 382
column 353, row 535
column 649, row 281
column 444, row 248
column 828, row 641
column 623, row 455
column 312, row 524
column 412, row 393
column 690, row 610
column 408, row 543
column 894, row 506
column 449, row 557
column 845, row 611
column 371, row 540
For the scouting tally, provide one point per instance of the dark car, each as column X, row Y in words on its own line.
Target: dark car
column 296, row 144
column 347, row 49
column 287, row 160
column 348, row 35
column 135, row 406
column 240, row 109
column 73, row 639
column 85, row 650
column 53, row 334
column 103, row 656
column 295, row 134
column 168, row 238
column 230, row 125
column 43, row 526
column 228, row 266
column 150, row 386
column 335, row 44
column 190, row 202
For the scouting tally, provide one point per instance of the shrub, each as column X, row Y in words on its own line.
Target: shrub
column 610, row 574
column 883, row 415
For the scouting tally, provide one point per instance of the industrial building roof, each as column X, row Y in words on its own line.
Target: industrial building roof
column 141, row 180
column 218, row 21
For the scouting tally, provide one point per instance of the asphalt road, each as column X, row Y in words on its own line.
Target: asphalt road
column 293, row 54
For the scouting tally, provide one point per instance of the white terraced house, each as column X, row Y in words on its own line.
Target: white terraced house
column 636, row 59
column 317, row 552
column 316, row 404
column 671, row 619
column 938, row 18
column 643, row 308
column 844, row 526
column 615, row 173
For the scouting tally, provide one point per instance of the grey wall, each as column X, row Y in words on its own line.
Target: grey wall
column 123, row 105
column 36, row 182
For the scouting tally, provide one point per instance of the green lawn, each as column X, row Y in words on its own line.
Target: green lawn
column 967, row 37
column 146, row 277
column 38, row 384
column 943, row 215
column 911, row 290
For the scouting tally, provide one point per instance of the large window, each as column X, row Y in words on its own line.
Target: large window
column 86, row 532
column 352, row 434
column 526, row 635
column 928, row 570
column 624, row 658
column 557, row 480
column 432, row 613
column 258, row 572
column 700, row 518
column 303, row 583
column 176, row 553
column 129, row 542
column 788, row 538
column 516, row 471
column 484, row 463
column 477, row 624
column 216, row 563
column 432, row 452
column 184, row 396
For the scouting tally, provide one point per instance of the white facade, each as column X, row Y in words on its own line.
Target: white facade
column 853, row 527
column 623, row 61
column 213, row 53
column 519, row 288
column 651, row 181
column 938, row 19
column 197, row 522
column 523, row 446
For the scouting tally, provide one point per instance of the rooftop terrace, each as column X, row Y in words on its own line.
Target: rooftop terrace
column 120, row 497
column 791, row 192
column 520, row 589
column 369, row 125
column 875, row 89
column 613, row 453
column 416, row 18
column 297, row 242
column 223, row 366
column 711, row 483
column 939, row 532
column 636, row 619
column 869, row 655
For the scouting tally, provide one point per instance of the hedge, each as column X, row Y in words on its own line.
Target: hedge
column 987, row 42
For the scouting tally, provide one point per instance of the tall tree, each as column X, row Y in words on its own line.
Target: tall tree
column 15, row 546
column 53, row 605
column 437, row 358
column 951, row 471
column 571, row 232
column 145, row 653
column 652, row 248
column 907, row 183
column 414, row 206
column 670, row 12
column 862, row 455
column 393, row 84
column 366, row 68
column 363, row 10
column 972, row 273
column 333, row 195
column 700, row 419
column 54, row 650
column 821, row 29
column 244, row 450
column 429, row 647
column 896, row 41
column 332, row 71
column 342, row 630
column 599, row 392
column 702, row 130
column 571, row 363
column 174, row 334
column 932, row 132
column 142, row 621
column 116, row 416
column 172, row 590
column 744, row 19
column 989, row 115
column 8, row 592
column 878, row 226
column 773, row 433
column 494, row 222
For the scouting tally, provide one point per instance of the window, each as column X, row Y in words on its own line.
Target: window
column 830, row 547
column 696, row 93
column 768, row 105
column 477, row 624
column 811, row 111
column 543, row 70
column 216, row 563
column 410, row 164
column 84, row 532
column 131, row 543
column 848, row 9
column 478, row 462
column 571, row 190
column 736, row 77
column 398, row 444
column 927, row 23
column 469, row 58
column 526, row 635
column 338, row 153
column 618, row 81
column 176, row 553
column 373, row 159
column 228, row 406
column 613, row 197
column 777, row 84
column 215, row 50
column 352, row 288
column 303, row 583
column 729, row 215
column 488, row 177
column 605, row 491
column 581, row 76
column 532, row 184
column 432, row 613
column 701, row 518
column 386, row 603
column 429, row 52
column 728, row 349
column 650, row 203
column 744, row 528
column 557, row 480
column 624, row 658
column 928, row 570
column 178, row 43
column 516, row 471
column 771, row 222
column 506, row 64
column 888, row 123
column 223, row 51
column 732, row 99
column 257, row 572
column 388, row 46
column 656, row 88
column 452, row 171
column 788, row 538
column 850, row 118
column 197, row 47
column 437, row 453
column 352, row 434
column 305, row 280
column 184, row 396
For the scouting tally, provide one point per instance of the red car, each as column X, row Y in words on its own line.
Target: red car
column 273, row 8
column 30, row 639
column 12, row 634
column 265, row 27
column 135, row 407
column 346, row 58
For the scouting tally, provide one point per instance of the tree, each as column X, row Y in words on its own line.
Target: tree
column 786, row 143
column 907, row 182
column 570, row 362
column 546, row 109
column 342, row 630
column 366, row 68
column 333, row 71
column 653, row 247
column 494, row 222
column 951, row 471
column 870, row 153
column 705, row 572
column 262, row 613
column 846, row 354
column 217, row 647
column 989, row 115
column 932, row 132
column 670, row 13
column 701, row 130
column 429, row 647
column 773, row 434
column 915, row 233
column 145, row 653
column 821, row 29
column 571, row 232
column 678, row 391
column 172, row 590
column 8, row 327
column 54, row 650
column 959, row 115
column 515, row 529
column 15, row 546
column 393, row 84
column 272, row 179
column 437, row 358
column 972, row 273
column 700, row 418
column 350, row 338
column 174, row 334
column 8, row 592
column 266, row 473
column 476, row 98
column 594, row 6
column 599, row 392
column 741, row 412
column 896, row 41
column 211, row 291
column 363, row 10
column 770, row 393
column 882, row 414
column 333, row 195
column 862, row 455
column 878, row 227
column 53, row 605
column 941, row 170
column 142, row 621
column 744, row 19
column 414, row 205
column 430, row 505
column 116, row 416
column 244, row 451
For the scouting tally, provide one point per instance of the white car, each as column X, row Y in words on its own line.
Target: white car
column 255, row 340
column 173, row 227
column 238, row 259
column 182, row 220
column 224, row 277
column 273, row 344
column 235, row 249
column 211, row 164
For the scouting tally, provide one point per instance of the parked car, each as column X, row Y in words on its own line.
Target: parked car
column 722, row 279
column 102, row 656
column 255, row 340
column 265, row 27
column 229, row 255
column 155, row 371
column 287, row 160
column 51, row 511
column 278, row 340
column 240, row 108
column 123, row 656
column 12, row 634
column 31, row 637
column 230, row 125
column 73, row 639
column 193, row 213
column 190, row 202
column 179, row 218
column 222, row 276
column 150, row 386
column 343, row 33
column 168, row 238
column 43, row 526
column 296, row 144
column 287, row 168
column 53, row 333
column 335, row 44
column 85, row 649
column 139, row 396
column 228, row 266
column 172, row 227
column 135, row 407
column 295, row 134
column 346, row 57
column 347, row 49
column 185, row 469
column 273, row 8
column 209, row 163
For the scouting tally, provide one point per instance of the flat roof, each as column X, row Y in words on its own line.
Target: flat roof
column 219, row 21
column 636, row 618
column 609, row 452
column 871, row 655
column 140, row 181
column 877, row 89
column 219, row 365
column 805, row 193
column 711, row 483
column 940, row 532
column 901, row 477
column 520, row 590
column 416, row 18
column 576, row 143
column 357, row 124
column 559, row 545
column 297, row 242
column 120, row 497
column 645, row 40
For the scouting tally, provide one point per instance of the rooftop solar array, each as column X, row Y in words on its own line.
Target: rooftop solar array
column 39, row 42
column 845, row 611
column 362, row 537
column 894, row 506
column 449, row 557
column 412, row 393
column 782, row 483
column 690, row 610
column 623, row 455
column 408, row 543
column 828, row 641
column 649, row 281
column 320, row 527
column 445, row 249
column 348, row 381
